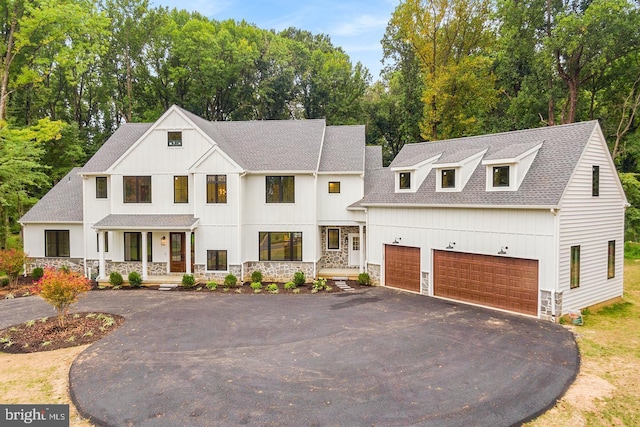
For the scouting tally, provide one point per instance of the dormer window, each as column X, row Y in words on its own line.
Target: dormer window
column 501, row 176
column 174, row 139
column 448, row 178
column 405, row 181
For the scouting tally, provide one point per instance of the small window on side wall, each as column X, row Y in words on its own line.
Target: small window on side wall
column 334, row 187
column 595, row 181
column 101, row 187
column 405, row 180
column 174, row 139
column 333, row 239
column 501, row 176
column 575, row 267
column 611, row 259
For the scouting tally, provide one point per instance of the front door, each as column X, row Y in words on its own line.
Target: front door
column 178, row 258
column 354, row 249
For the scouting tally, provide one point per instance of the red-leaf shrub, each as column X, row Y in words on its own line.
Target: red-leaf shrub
column 12, row 263
column 61, row 289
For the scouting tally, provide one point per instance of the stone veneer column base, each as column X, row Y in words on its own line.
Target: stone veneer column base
column 374, row 274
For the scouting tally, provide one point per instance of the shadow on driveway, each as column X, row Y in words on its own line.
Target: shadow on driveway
column 380, row 358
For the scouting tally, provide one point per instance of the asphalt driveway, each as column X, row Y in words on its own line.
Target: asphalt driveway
column 378, row 358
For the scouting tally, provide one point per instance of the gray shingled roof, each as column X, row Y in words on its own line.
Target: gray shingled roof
column 512, row 151
column 372, row 157
column 273, row 145
column 115, row 146
column 457, row 156
column 343, row 149
column 63, row 203
column 543, row 185
column 146, row 221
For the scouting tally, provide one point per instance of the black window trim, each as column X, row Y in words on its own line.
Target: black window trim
column 595, row 181
column 217, row 262
column 174, row 189
column 442, row 174
column 281, row 197
column 336, row 185
column 138, row 181
column 58, row 243
column 99, row 194
column 611, row 259
column 493, row 176
column 329, row 248
column 174, row 143
column 216, row 183
column 139, row 238
column 400, row 179
column 574, row 267
column 291, row 256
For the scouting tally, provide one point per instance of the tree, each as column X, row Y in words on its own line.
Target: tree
column 451, row 39
column 12, row 263
column 61, row 289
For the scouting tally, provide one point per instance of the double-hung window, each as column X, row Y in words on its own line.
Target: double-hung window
column 216, row 189
column 137, row 189
column 280, row 189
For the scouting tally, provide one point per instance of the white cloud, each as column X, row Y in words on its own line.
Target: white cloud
column 361, row 25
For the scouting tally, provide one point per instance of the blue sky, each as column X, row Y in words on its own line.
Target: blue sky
column 356, row 26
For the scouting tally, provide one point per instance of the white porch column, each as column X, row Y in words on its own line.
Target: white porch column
column 101, row 262
column 361, row 236
column 188, row 251
column 145, row 274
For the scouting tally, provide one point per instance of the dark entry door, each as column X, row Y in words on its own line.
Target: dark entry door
column 178, row 258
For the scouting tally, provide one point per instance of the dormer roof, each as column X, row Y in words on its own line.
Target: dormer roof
column 543, row 185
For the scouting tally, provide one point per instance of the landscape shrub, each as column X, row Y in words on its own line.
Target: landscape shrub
column 256, row 276
column 61, row 289
column 212, row 286
column 290, row 285
column 37, row 273
column 12, row 263
column 115, row 278
column 230, row 281
column 65, row 269
column 364, row 279
column 135, row 280
column 272, row 288
column 298, row 278
column 319, row 284
column 4, row 282
column 188, row 281
column 256, row 285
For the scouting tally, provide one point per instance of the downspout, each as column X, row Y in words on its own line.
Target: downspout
column 240, row 180
column 315, row 223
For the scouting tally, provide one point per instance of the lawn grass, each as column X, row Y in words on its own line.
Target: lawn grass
column 607, row 390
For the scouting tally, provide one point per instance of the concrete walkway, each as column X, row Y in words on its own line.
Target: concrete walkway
column 377, row 358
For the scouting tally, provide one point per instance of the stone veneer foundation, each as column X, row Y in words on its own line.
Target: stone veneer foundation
column 546, row 305
column 201, row 273
column 73, row 264
column 273, row 271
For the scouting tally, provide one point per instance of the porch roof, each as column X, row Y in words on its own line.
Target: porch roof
column 147, row 222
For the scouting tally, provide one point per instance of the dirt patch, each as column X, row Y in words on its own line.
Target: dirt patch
column 22, row 289
column 46, row 334
column 586, row 390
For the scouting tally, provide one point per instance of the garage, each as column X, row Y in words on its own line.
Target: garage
column 402, row 267
column 500, row 282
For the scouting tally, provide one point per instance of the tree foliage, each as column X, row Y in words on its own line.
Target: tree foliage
column 61, row 289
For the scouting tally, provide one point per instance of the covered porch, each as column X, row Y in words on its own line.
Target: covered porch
column 138, row 234
column 342, row 249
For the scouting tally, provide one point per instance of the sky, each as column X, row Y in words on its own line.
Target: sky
column 356, row 26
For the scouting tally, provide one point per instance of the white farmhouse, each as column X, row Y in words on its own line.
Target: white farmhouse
column 528, row 221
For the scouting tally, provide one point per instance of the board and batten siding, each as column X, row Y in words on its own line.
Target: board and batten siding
column 527, row 234
column 591, row 222
column 34, row 238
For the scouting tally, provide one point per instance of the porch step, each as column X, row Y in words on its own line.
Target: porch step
column 167, row 286
column 343, row 285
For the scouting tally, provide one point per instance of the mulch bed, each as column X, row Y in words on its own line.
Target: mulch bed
column 46, row 334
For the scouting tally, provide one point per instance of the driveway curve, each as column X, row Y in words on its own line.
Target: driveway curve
column 378, row 358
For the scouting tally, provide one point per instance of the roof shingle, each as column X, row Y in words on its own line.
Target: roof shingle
column 63, row 203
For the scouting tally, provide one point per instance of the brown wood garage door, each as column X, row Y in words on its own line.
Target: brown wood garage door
column 402, row 267
column 500, row 282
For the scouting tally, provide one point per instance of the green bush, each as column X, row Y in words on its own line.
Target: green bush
column 37, row 273
column 65, row 269
column 256, row 276
column 188, row 281
column 299, row 279
column 256, row 285
column 5, row 281
column 319, row 284
column 290, row 285
column 12, row 263
column 212, row 286
column 135, row 280
column 115, row 278
column 364, row 279
column 272, row 288
column 230, row 281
